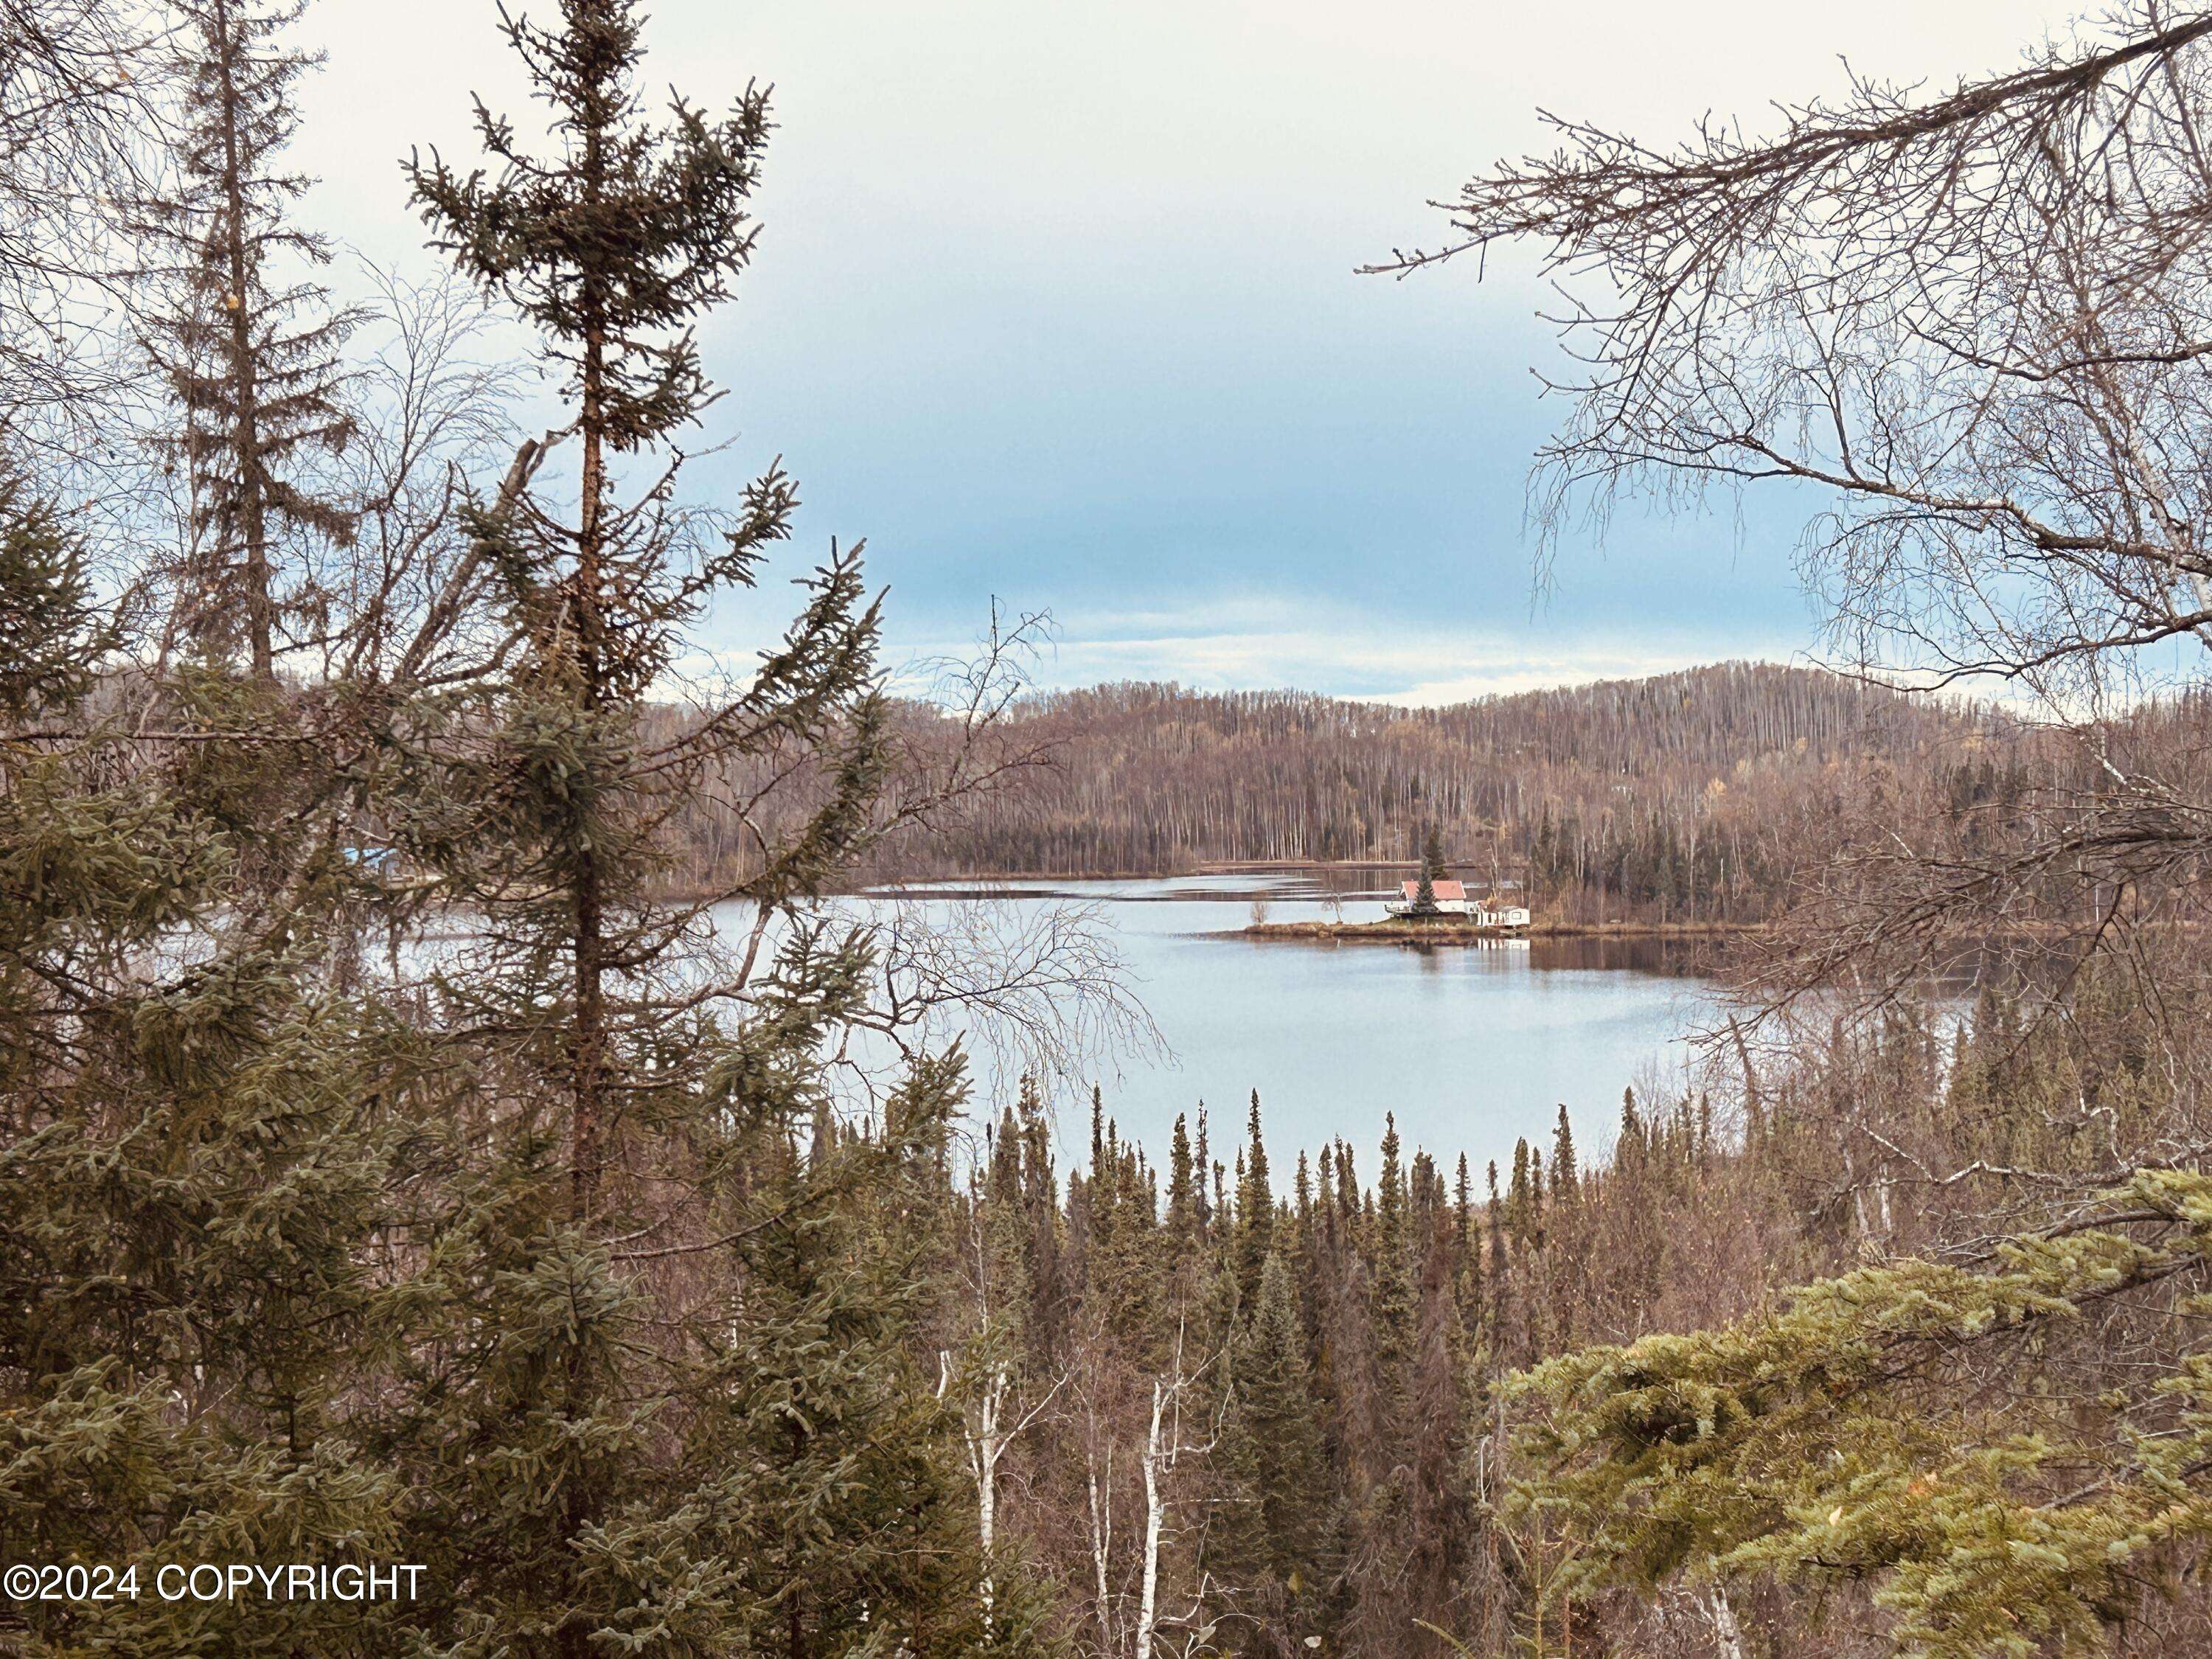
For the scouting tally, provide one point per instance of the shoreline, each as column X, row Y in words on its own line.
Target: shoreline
column 1453, row 933
column 1385, row 930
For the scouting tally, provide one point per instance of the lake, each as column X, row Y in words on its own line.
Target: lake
column 1470, row 1045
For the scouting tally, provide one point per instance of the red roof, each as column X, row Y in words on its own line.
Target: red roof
column 1444, row 889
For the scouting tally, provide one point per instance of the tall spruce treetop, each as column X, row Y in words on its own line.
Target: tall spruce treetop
column 1393, row 1254
column 251, row 359
column 1565, row 1175
column 1183, row 1190
column 612, row 248
column 1433, row 872
column 1256, row 1209
column 655, row 1110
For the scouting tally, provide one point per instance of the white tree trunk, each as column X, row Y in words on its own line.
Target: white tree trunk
column 1155, row 1457
column 1726, row 1633
column 986, row 1444
column 1102, row 1538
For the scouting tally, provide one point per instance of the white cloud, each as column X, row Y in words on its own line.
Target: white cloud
column 1309, row 645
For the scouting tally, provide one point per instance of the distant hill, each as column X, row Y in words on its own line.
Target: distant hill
column 1691, row 794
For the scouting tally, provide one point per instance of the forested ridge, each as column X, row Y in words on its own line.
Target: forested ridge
column 1688, row 795
column 1711, row 794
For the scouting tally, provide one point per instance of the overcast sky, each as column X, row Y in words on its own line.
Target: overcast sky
column 1056, row 303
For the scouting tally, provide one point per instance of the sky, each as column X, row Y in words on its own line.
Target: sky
column 1057, row 305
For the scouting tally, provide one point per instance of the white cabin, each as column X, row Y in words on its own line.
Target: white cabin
column 1452, row 901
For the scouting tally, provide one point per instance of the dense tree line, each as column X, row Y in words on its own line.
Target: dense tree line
column 1636, row 794
column 1697, row 795
column 1433, row 1406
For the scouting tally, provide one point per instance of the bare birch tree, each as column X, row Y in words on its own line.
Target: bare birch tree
column 81, row 114
column 1169, row 1450
column 1976, row 328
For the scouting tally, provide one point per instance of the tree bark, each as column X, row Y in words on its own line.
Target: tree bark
column 585, row 616
column 1155, row 1457
column 253, row 520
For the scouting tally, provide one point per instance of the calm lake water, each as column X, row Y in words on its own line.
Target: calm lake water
column 1470, row 1045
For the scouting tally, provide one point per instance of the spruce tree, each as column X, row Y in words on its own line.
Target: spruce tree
column 200, row 1139
column 1394, row 1264
column 1183, row 1195
column 1496, row 1212
column 1274, row 1448
column 1203, row 1204
column 1505, row 1333
column 1468, row 1283
column 1049, row 1294
column 611, row 250
column 251, row 361
column 1325, row 1197
column 53, row 631
column 1256, row 1209
column 1565, row 1181
column 1432, row 870
column 660, row 1400
column 832, row 1489
column 1437, row 1422
column 1519, row 1217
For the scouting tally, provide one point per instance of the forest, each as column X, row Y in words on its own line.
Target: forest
column 1693, row 796
column 1717, row 794
column 1243, row 1398
column 400, row 1164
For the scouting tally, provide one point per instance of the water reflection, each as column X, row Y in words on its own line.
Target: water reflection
column 1676, row 956
column 1468, row 1045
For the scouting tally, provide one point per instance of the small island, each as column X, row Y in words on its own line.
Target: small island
column 1446, row 930
column 1435, row 909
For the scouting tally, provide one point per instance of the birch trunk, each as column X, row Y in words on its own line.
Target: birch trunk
column 1101, row 1540
column 1148, row 1598
column 1726, row 1633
